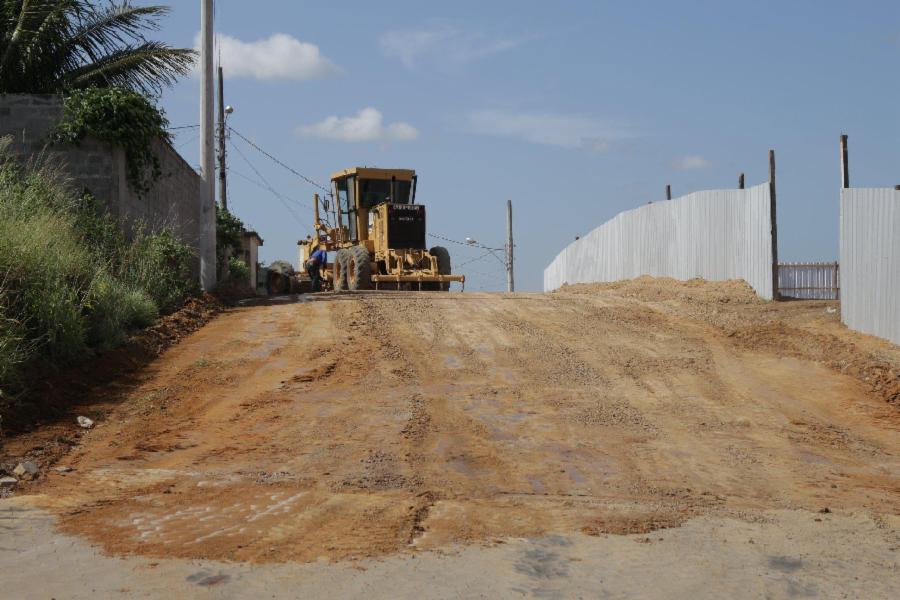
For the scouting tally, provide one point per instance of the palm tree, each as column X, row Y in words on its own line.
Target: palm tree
column 51, row 46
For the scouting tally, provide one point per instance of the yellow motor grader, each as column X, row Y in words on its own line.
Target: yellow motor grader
column 378, row 233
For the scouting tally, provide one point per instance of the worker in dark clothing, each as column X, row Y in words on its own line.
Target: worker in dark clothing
column 317, row 261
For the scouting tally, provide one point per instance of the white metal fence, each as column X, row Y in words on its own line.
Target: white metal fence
column 870, row 261
column 813, row 281
column 716, row 235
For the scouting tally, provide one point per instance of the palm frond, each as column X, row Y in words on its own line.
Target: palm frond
column 106, row 30
column 53, row 45
column 147, row 67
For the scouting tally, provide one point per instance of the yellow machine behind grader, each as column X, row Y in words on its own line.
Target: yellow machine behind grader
column 378, row 233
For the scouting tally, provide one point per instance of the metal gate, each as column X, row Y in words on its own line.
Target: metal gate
column 812, row 281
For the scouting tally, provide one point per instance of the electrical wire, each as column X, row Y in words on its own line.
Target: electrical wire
column 470, row 245
column 268, row 186
column 263, row 186
column 280, row 163
column 476, row 259
column 193, row 139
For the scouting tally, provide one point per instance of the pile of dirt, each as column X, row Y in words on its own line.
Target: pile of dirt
column 808, row 330
column 660, row 289
column 881, row 375
column 55, row 394
column 195, row 313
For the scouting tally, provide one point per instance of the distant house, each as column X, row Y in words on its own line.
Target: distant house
column 250, row 243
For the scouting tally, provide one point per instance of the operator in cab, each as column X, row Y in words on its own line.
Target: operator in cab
column 315, row 264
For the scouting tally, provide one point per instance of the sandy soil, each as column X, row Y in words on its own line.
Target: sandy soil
column 368, row 425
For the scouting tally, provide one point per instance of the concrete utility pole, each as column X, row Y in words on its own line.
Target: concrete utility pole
column 207, row 153
column 510, row 283
column 223, row 188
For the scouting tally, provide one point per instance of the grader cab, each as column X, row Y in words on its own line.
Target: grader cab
column 377, row 231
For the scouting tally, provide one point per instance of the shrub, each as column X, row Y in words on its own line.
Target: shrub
column 115, row 310
column 229, row 230
column 47, row 276
column 12, row 349
column 159, row 265
column 70, row 281
column 238, row 270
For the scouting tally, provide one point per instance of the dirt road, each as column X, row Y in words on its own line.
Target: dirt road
column 376, row 426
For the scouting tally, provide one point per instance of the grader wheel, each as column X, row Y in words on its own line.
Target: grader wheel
column 340, row 271
column 443, row 261
column 359, row 269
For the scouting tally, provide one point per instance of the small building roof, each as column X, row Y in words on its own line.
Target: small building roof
column 252, row 234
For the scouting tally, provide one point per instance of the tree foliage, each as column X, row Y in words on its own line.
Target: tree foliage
column 51, row 46
column 229, row 232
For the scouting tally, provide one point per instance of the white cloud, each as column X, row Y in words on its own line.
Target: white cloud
column 444, row 45
column 551, row 129
column 279, row 56
column 366, row 126
column 692, row 162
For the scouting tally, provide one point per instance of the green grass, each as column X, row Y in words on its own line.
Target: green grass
column 71, row 284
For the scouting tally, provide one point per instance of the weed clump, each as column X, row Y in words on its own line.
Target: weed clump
column 71, row 282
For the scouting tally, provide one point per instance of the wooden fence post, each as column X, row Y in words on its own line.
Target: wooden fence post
column 774, row 216
column 845, row 170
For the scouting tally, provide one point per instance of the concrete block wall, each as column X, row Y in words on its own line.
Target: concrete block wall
column 98, row 167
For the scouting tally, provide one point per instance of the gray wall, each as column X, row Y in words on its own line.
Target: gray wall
column 100, row 168
column 870, row 261
column 716, row 235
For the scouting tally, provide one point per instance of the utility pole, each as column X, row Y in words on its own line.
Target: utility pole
column 223, row 189
column 845, row 167
column 773, row 212
column 668, row 192
column 207, row 240
column 510, row 283
column 741, row 181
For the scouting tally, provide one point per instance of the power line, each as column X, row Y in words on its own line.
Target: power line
column 193, row 139
column 263, row 186
column 269, row 187
column 182, row 127
column 279, row 163
column 467, row 244
column 476, row 259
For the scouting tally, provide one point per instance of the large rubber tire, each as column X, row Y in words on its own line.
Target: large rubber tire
column 340, row 271
column 359, row 269
column 443, row 260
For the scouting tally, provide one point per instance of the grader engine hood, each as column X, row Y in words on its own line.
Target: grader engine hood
column 406, row 226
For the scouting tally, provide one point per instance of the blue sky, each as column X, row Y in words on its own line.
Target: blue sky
column 574, row 110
